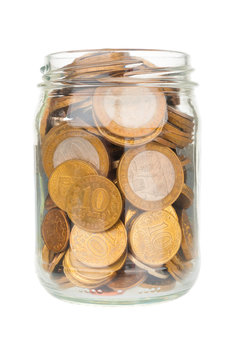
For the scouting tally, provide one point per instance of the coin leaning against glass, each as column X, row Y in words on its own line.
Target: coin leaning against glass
column 155, row 237
column 66, row 175
column 55, row 230
column 130, row 111
column 150, row 177
column 94, row 203
column 65, row 142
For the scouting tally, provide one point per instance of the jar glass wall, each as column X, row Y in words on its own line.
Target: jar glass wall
column 116, row 176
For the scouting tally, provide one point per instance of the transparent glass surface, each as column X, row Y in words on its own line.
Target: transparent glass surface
column 116, row 176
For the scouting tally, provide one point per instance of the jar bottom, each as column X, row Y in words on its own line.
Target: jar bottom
column 134, row 296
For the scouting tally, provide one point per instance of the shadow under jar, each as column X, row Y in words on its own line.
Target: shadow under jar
column 116, row 176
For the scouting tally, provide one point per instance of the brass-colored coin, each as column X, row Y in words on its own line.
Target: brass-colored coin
column 164, row 142
column 125, row 280
column 177, row 118
column 55, row 230
column 66, row 175
column 55, row 261
column 155, row 237
column 184, row 160
column 129, row 111
column 158, row 285
column 59, row 102
column 47, row 257
column 66, row 142
column 187, row 245
column 78, row 280
column 159, row 273
column 178, row 268
column 185, row 199
column 124, row 141
column 99, row 249
column 172, row 211
column 49, row 204
column 178, row 140
column 150, row 177
column 174, row 130
column 88, row 272
column 94, row 203
column 130, row 215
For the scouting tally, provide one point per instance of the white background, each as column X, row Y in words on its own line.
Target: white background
column 202, row 324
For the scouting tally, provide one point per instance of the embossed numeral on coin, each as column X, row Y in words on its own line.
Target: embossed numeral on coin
column 98, row 200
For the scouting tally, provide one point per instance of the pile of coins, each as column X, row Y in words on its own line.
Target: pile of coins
column 116, row 213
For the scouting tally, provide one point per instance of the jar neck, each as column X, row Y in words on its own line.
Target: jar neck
column 114, row 67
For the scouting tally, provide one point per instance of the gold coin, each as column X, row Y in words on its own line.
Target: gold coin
column 164, row 142
column 185, row 199
column 150, row 177
column 99, row 249
column 55, row 261
column 120, row 109
column 55, row 230
column 172, row 211
column 174, row 130
column 126, row 279
column 183, row 121
column 78, row 280
column 66, row 175
column 155, row 237
column 178, row 140
column 187, row 245
column 159, row 273
column 66, row 142
column 178, row 268
column 94, row 203
column 124, row 141
column 47, row 257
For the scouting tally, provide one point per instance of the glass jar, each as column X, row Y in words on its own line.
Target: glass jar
column 116, row 176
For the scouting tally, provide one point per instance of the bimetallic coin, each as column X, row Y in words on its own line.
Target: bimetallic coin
column 94, row 203
column 159, row 273
column 99, row 249
column 130, row 111
column 125, row 141
column 185, row 200
column 187, row 245
column 155, row 237
column 66, row 142
column 64, row 176
column 150, row 177
column 55, row 230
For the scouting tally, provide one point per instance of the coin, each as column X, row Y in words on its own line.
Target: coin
column 124, row 141
column 172, row 211
column 164, row 142
column 99, row 249
column 47, row 256
column 94, row 203
column 129, row 111
column 66, row 142
column 55, row 261
column 183, row 121
column 158, row 285
column 177, row 267
column 187, row 244
column 49, row 204
column 155, row 237
column 130, row 215
column 150, row 177
column 185, row 199
column 44, row 118
column 125, row 280
column 55, row 230
column 159, row 273
column 174, row 130
column 66, row 175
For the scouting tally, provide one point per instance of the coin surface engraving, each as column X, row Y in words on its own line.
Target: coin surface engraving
column 155, row 237
column 99, row 249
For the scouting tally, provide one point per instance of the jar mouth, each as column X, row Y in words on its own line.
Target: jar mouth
column 150, row 67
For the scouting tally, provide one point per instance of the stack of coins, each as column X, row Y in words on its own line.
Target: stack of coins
column 115, row 216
